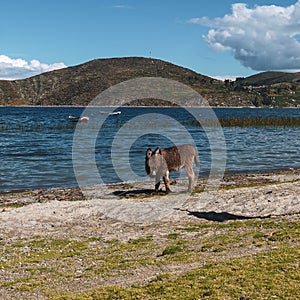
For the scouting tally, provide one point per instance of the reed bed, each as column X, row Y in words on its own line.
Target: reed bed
column 248, row 122
column 33, row 128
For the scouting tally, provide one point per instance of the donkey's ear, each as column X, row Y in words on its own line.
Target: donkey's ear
column 157, row 150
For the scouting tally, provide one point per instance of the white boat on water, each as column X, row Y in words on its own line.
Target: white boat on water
column 110, row 113
column 78, row 119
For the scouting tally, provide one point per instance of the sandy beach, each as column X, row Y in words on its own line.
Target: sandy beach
column 239, row 197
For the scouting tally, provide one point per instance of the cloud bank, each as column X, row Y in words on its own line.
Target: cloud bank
column 18, row 68
column 262, row 38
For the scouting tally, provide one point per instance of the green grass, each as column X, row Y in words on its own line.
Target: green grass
column 258, row 259
column 170, row 250
column 268, row 275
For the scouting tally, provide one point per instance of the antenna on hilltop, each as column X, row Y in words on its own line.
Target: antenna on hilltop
column 150, row 54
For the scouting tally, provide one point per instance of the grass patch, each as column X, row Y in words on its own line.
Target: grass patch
column 173, row 236
column 258, row 235
column 7, row 207
column 258, row 259
column 171, row 250
column 267, row 275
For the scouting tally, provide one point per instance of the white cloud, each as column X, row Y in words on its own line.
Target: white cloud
column 223, row 77
column 19, row 68
column 262, row 38
column 121, row 6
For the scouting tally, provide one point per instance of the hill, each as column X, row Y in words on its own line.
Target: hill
column 271, row 78
column 274, row 88
column 78, row 85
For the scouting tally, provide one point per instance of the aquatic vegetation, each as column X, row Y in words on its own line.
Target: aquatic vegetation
column 248, row 122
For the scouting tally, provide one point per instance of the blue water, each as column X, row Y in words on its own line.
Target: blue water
column 37, row 147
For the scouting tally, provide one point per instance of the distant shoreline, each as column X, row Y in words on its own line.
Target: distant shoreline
column 235, row 176
column 142, row 106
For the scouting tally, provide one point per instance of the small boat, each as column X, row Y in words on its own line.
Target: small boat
column 73, row 119
column 78, row 119
column 110, row 113
column 84, row 119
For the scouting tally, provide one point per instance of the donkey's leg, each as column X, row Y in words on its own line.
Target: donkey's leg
column 191, row 176
column 157, row 183
column 167, row 182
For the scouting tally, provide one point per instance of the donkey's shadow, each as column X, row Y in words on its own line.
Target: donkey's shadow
column 141, row 193
column 207, row 215
column 222, row 216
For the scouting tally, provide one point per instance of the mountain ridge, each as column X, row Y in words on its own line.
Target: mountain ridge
column 271, row 77
column 80, row 84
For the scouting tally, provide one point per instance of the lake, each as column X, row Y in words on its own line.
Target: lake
column 38, row 149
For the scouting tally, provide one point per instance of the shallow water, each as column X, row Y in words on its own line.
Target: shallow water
column 37, row 146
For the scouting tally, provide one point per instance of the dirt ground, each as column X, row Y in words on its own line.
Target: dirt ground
column 131, row 211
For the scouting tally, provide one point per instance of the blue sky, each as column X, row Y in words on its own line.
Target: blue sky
column 218, row 38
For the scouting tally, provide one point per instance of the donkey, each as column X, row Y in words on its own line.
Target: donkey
column 160, row 162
